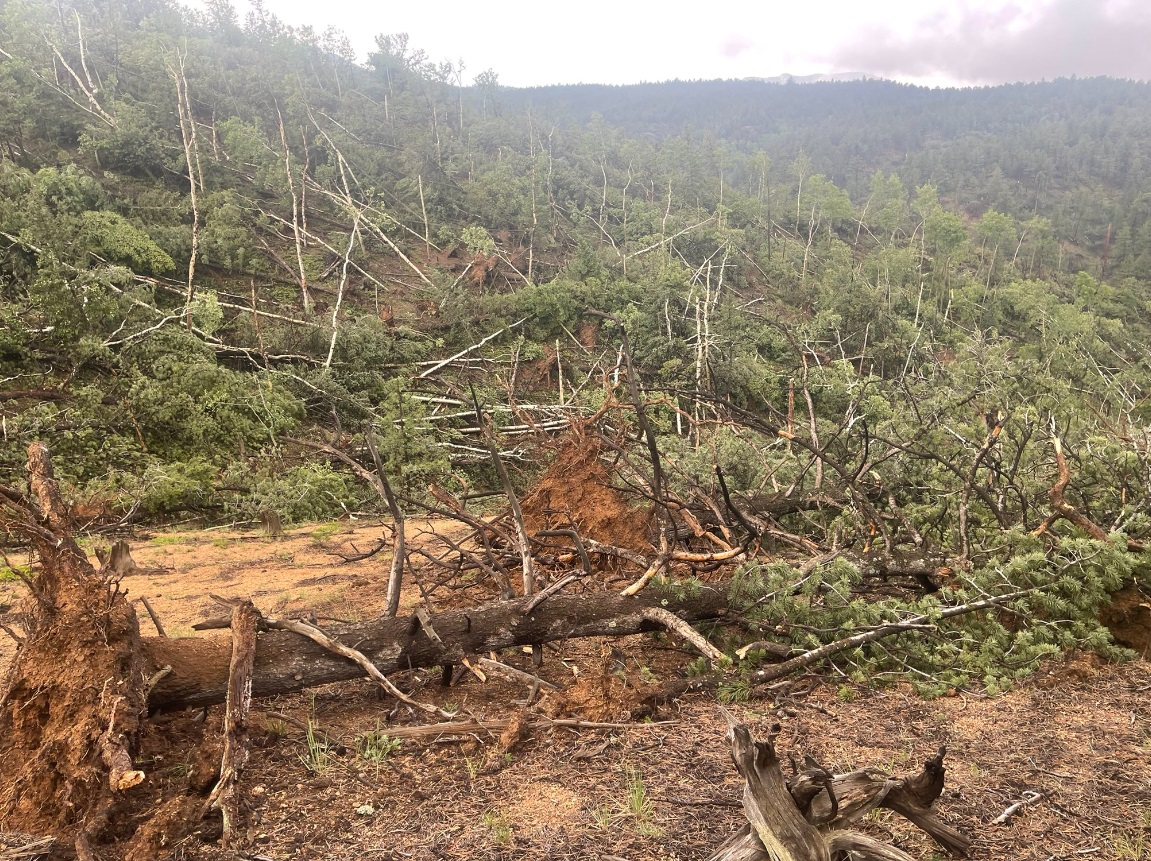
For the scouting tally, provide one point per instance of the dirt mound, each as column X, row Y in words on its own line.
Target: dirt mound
column 575, row 492
column 610, row 692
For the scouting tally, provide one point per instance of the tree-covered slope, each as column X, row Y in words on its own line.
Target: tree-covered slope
column 218, row 235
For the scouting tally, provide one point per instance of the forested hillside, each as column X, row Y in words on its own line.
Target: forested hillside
column 915, row 316
column 848, row 373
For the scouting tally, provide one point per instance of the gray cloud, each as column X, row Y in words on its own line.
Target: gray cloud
column 976, row 46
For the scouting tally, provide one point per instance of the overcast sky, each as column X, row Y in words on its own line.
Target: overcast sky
column 935, row 42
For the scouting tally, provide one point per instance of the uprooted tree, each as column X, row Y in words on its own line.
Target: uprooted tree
column 75, row 696
column 837, row 549
column 75, row 739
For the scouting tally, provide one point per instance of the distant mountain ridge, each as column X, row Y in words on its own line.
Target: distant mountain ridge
column 787, row 78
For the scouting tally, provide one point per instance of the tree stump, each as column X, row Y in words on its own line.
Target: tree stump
column 801, row 818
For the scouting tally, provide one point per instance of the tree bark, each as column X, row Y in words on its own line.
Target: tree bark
column 286, row 662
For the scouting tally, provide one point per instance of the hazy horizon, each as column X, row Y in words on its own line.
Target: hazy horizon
column 929, row 43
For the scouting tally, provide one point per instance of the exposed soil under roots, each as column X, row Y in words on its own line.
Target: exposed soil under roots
column 575, row 492
column 1128, row 617
column 73, row 699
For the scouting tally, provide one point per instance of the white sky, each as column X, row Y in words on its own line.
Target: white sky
column 936, row 42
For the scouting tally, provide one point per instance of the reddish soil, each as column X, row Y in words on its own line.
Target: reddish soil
column 1078, row 733
column 1129, row 619
column 576, row 491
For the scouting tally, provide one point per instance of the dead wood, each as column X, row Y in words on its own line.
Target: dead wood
column 1058, row 496
column 24, row 847
column 802, row 818
column 270, row 523
column 286, row 663
column 1062, row 508
column 153, row 615
column 674, row 623
column 238, row 703
column 778, row 830
column 359, row 658
column 656, row 483
column 379, row 481
column 1029, row 797
column 835, row 801
column 117, row 559
column 399, row 527
column 512, row 674
column 523, row 543
column 463, row 730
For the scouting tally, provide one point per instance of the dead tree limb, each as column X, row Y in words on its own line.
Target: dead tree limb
column 523, row 543
column 851, row 796
column 379, row 481
column 399, row 527
column 576, row 540
column 336, row 647
column 969, row 481
column 153, row 615
column 780, row 825
column 511, row 673
column 443, row 364
column 1062, row 508
column 640, row 412
column 778, row 830
column 674, row 623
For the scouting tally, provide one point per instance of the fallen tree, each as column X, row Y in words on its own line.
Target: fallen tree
column 69, row 734
column 287, row 662
column 73, row 704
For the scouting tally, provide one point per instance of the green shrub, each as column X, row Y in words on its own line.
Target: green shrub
column 308, row 492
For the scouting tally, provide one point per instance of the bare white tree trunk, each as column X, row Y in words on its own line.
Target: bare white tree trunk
column 296, row 232
column 352, row 237
column 192, row 159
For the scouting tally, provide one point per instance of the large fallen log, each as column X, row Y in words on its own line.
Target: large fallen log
column 286, row 662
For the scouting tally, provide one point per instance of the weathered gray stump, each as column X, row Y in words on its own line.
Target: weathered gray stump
column 802, row 818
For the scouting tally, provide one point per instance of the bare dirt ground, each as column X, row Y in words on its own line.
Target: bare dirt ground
column 1076, row 738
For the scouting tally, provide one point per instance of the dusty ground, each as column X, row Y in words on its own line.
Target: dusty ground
column 1078, row 734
